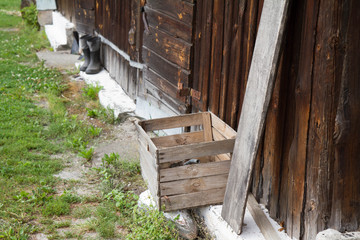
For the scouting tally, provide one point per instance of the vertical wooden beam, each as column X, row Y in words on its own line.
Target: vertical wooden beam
column 216, row 55
column 228, row 24
column 257, row 97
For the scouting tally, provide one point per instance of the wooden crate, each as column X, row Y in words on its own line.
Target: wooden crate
column 174, row 185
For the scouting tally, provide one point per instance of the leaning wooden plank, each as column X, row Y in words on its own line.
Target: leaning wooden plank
column 222, row 127
column 193, row 185
column 195, row 150
column 256, row 101
column 190, row 200
column 179, row 139
column 194, row 171
column 172, row 122
column 261, row 220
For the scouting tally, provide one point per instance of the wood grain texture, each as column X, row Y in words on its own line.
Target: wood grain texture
column 193, row 185
column 195, row 150
column 168, row 24
column 179, row 139
column 169, row 47
column 222, row 127
column 172, row 122
column 261, row 220
column 257, row 97
column 178, row 9
column 171, row 72
column 194, row 171
column 197, row 199
column 207, row 127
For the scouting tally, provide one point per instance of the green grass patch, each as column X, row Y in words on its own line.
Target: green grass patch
column 9, row 21
column 30, row 134
column 10, row 4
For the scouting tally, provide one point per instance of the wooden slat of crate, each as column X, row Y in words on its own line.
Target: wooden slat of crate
column 150, row 174
column 190, row 200
column 193, row 185
column 194, row 171
column 144, row 137
column 222, row 127
column 208, row 137
column 196, row 150
column 178, row 139
column 172, row 122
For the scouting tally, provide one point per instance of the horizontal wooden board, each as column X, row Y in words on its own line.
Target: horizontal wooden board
column 222, row 127
column 178, row 9
column 166, row 69
column 169, row 24
column 193, row 185
column 166, row 99
column 194, row 171
column 169, row 47
column 172, row 122
column 197, row 199
column 162, row 84
column 178, row 139
column 196, row 150
column 161, row 104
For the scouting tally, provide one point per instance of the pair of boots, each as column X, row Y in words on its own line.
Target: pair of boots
column 91, row 50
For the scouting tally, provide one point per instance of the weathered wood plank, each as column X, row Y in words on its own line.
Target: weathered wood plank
column 194, row 171
column 179, row 139
column 162, row 84
column 168, row 24
column 178, row 9
column 169, row 47
column 143, row 135
column 196, row 150
column 346, row 187
column 166, row 69
column 193, row 185
column 172, row 122
column 261, row 220
column 197, row 199
column 205, row 56
column 207, row 127
column 222, row 127
column 228, row 25
column 149, row 174
column 216, row 55
column 165, row 99
column 257, row 97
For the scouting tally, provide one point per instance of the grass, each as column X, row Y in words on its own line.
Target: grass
column 30, row 134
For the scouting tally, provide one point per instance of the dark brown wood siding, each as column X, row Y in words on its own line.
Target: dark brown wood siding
column 167, row 51
column 66, row 8
column 306, row 169
column 120, row 22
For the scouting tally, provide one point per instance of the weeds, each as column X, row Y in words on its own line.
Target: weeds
column 92, row 92
column 87, row 153
column 29, row 14
column 94, row 131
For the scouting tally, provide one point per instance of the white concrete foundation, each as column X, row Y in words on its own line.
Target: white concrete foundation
column 57, row 32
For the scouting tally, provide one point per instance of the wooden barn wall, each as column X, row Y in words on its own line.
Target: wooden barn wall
column 307, row 167
column 66, row 8
column 167, row 49
column 120, row 22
